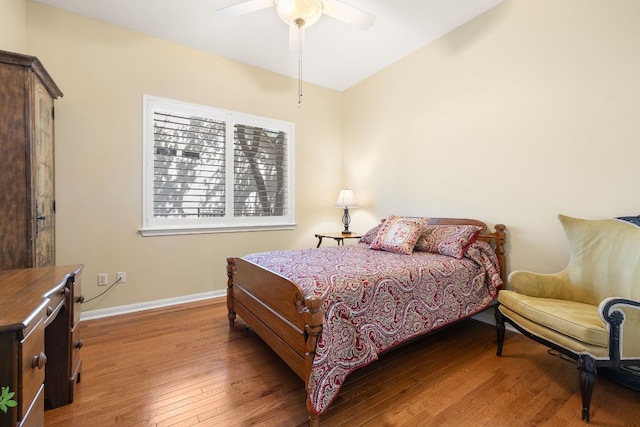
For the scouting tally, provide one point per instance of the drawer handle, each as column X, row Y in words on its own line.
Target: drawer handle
column 80, row 299
column 49, row 311
column 39, row 361
column 79, row 344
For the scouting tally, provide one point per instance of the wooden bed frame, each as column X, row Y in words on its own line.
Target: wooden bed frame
column 275, row 308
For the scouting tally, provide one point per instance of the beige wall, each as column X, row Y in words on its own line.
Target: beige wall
column 13, row 23
column 103, row 71
column 528, row 111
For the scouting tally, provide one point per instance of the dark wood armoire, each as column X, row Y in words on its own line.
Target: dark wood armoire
column 27, row 203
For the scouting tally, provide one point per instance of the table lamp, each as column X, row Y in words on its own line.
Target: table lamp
column 346, row 200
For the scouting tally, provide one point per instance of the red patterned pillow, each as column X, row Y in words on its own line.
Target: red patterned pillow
column 450, row 240
column 398, row 234
column 370, row 235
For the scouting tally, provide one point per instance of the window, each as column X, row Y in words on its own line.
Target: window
column 208, row 170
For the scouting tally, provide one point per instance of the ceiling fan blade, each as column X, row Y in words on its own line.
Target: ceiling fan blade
column 348, row 14
column 244, row 8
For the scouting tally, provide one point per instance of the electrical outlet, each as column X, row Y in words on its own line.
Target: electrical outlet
column 102, row 279
column 121, row 276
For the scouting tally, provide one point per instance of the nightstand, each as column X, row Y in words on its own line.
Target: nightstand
column 338, row 237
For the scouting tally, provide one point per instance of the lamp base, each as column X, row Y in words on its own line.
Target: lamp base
column 346, row 220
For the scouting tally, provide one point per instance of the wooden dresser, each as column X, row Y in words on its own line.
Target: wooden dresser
column 27, row 205
column 39, row 343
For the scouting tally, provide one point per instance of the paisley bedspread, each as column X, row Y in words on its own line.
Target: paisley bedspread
column 375, row 300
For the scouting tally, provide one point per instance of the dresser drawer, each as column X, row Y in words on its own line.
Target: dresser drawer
column 76, row 346
column 33, row 360
column 77, row 299
column 56, row 302
column 35, row 414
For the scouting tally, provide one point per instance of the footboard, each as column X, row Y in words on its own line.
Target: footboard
column 277, row 311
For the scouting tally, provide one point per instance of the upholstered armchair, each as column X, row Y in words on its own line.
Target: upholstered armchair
column 590, row 311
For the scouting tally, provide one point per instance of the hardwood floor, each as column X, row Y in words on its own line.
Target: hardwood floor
column 183, row 366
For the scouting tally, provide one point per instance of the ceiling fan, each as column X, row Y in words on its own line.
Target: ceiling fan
column 300, row 14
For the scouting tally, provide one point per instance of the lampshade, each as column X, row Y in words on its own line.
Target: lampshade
column 346, row 199
column 299, row 13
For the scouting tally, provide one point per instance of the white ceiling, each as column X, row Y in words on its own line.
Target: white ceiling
column 335, row 55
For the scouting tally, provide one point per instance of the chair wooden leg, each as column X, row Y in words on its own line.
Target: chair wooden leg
column 499, row 330
column 587, row 368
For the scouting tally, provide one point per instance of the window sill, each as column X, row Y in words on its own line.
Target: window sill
column 173, row 231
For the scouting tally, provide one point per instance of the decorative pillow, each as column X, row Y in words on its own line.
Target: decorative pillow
column 398, row 234
column 450, row 240
column 370, row 235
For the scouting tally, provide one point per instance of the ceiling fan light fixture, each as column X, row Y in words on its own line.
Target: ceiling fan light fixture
column 299, row 13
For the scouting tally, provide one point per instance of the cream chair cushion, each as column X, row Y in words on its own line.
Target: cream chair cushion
column 555, row 337
column 575, row 319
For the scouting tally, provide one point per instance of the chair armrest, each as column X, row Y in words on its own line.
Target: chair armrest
column 610, row 310
column 540, row 285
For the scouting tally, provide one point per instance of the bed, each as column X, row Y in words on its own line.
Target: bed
column 328, row 311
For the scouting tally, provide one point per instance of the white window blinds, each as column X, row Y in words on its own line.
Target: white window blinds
column 189, row 166
column 207, row 170
column 260, row 171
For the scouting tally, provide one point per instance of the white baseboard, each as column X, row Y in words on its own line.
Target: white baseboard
column 484, row 316
column 132, row 308
column 488, row 317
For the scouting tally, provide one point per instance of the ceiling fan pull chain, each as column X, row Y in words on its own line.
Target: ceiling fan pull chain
column 300, row 23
